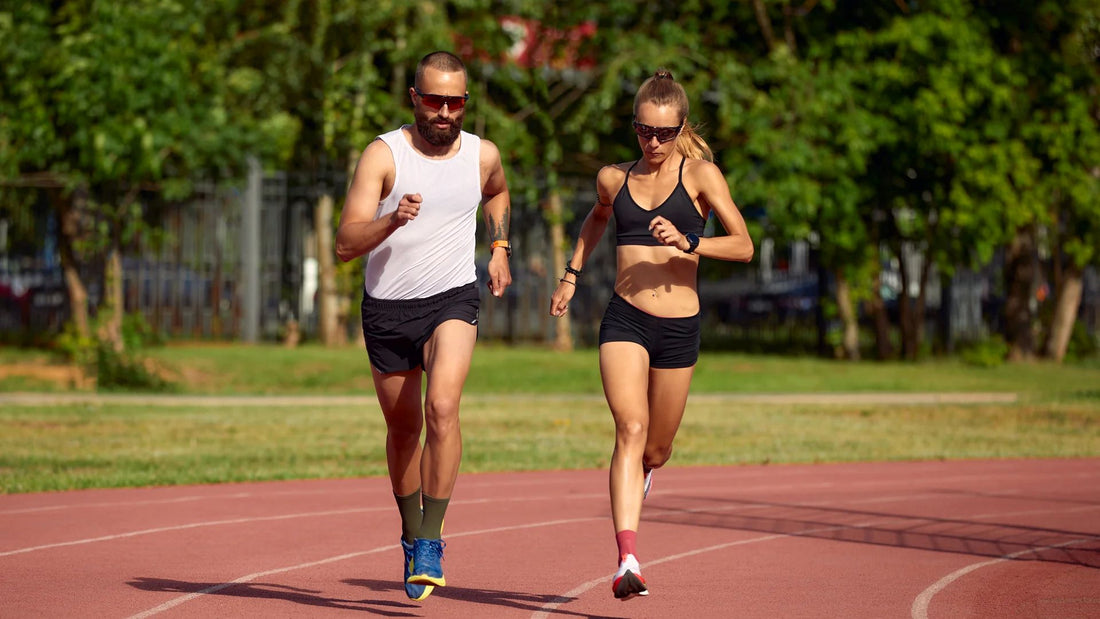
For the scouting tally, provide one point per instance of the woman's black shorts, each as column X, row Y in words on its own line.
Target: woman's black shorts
column 395, row 331
column 671, row 342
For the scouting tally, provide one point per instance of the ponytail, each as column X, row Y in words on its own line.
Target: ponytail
column 692, row 145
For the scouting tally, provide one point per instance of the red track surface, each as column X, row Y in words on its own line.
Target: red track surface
column 1017, row 538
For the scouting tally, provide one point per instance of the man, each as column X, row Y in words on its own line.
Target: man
column 411, row 209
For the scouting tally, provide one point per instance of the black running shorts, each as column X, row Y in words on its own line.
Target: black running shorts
column 395, row 331
column 670, row 342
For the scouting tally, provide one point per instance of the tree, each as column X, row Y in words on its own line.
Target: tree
column 1056, row 46
column 113, row 104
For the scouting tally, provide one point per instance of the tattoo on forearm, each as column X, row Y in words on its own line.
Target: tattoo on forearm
column 498, row 230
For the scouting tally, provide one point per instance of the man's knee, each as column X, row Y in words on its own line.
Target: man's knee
column 441, row 415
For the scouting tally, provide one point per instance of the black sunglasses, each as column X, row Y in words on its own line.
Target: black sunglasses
column 663, row 134
column 437, row 101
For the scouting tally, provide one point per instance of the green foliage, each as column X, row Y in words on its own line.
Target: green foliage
column 125, row 371
column 944, row 125
column 1082, row 345
column 985, row 353
column 129, row 370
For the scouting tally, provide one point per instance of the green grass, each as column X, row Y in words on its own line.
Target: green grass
column 267, row 369
column 530, row 409
column 60, row 448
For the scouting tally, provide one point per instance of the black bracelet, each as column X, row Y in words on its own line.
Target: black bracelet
column 565, row 281
column 569, row 269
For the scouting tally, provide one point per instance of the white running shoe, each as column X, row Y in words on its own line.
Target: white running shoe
column 648, row 484
column 628, row 581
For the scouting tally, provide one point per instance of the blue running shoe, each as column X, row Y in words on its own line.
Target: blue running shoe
column 427, row 563
column 415, row 592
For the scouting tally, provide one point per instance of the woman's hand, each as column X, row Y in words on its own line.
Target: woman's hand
column 663, row 230
column 559, row 302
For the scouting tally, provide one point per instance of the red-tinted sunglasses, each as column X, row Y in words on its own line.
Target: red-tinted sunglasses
column 663, row 134
column 437, row 101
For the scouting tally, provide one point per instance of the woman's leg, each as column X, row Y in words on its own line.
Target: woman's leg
column 668, row 393
column 624, row 369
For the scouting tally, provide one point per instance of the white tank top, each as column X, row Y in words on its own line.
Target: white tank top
column 434, row 252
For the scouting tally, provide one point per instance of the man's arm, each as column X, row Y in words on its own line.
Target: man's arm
column 497, row 208
column 359, row 232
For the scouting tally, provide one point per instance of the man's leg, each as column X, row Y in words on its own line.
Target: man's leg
column 399, row 397
column 447, row 356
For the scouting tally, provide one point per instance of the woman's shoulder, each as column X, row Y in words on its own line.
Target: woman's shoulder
column 700, row 167
column 613, row 174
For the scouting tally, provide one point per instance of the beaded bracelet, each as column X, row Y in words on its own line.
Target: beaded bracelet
column 569, row 269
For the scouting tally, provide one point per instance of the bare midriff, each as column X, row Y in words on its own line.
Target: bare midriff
column 658, row 280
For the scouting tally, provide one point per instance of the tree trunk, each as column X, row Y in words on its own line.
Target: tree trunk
column 563, row 332
column 1019, row 281
column 764, row 22
column 110, row 330
column 328, row 303
column 884, row 349
column 847, row 313
column 68, row 214
column 907, row 318
column 1065, row 312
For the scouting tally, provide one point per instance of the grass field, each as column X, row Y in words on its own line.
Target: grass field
column 525, row 409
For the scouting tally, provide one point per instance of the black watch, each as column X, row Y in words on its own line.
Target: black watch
column 693, row 242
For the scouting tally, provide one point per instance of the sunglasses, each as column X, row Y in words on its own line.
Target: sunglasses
column 663, row 134
column 437, row 101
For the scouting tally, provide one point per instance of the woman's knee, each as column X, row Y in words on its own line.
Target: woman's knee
column 656, row 456
column 631, row 431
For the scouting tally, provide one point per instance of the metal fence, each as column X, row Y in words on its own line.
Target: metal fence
column 201, row 283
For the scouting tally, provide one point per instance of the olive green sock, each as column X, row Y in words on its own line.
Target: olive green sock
column 409, row 506
column 434, row 510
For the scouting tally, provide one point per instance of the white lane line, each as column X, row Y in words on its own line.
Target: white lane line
column 243, row 579
column 193, row 525
column 475, row 483
column 568, row 596
column 919, row 609
column 213, row 523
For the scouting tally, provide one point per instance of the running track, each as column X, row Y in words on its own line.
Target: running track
column 1009, row 538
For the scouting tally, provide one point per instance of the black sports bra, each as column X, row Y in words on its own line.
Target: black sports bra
column 632, row 221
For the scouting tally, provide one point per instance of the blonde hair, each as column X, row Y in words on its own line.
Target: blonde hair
column 663, row 89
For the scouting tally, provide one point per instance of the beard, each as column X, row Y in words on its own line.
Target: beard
column 425, row 125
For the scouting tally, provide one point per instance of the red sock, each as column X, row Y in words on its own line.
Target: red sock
column 625, row 540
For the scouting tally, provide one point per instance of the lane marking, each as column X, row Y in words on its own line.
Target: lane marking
column 250, row 519
column 193, row 525
column 243, row 579
column 919, row 609
column 793, row 485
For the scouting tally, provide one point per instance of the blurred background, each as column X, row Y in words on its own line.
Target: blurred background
column 921, row 178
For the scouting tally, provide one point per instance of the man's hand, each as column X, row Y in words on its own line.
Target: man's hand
column 407, row 209
column 500, row 274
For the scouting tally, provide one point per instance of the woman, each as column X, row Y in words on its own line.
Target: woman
column 650, row 331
